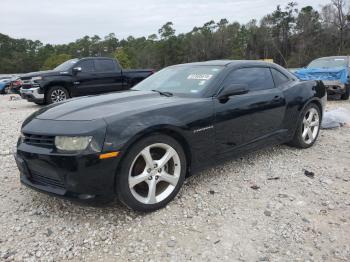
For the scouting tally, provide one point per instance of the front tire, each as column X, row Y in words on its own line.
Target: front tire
column 56, row 94
column 346, row 95
column 151, row 173
column 308, row 127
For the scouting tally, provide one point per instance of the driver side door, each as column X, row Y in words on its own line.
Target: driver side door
column 242, row 120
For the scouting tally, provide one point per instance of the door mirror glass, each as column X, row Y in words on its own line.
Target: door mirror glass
column 234, row 90
column 77, row 69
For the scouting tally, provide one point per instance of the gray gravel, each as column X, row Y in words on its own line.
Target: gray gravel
column 260, row 207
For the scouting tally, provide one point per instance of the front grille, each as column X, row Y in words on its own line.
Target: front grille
column 39, row 140
column 46, row 181
column 27, row 85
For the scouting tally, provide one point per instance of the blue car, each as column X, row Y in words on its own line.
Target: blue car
column 4, row 85
column 333, row 71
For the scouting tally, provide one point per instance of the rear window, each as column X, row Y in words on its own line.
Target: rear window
column 279, row 77
column 104, row 65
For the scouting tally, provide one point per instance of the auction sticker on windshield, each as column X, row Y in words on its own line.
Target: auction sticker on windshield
column 200, row 76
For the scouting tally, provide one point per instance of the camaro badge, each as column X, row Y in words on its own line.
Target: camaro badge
column 202, row 129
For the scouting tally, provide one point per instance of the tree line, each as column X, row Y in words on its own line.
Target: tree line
column 290, row 35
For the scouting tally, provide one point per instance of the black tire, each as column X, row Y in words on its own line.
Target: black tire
column 298, row 140
column 48, row 95
column 346, row 95
column 122, row 182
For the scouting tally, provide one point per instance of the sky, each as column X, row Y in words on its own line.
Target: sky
column 63, row 21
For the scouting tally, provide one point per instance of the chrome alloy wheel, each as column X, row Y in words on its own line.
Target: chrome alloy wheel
column 58, row 95
column 311, row 125
column 154, row 173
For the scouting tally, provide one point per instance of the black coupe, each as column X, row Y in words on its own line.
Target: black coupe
column 141, row 144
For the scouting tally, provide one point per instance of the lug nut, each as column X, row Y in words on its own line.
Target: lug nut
column 150, row 178
column 157, row 177
column 155, row 165
column 159, row 170
column 149, row 170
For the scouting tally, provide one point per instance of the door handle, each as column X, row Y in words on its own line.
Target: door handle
column 276, row 98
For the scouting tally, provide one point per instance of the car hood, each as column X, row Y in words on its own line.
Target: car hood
column 104, row 106
column 40, row 73
column 339, row 73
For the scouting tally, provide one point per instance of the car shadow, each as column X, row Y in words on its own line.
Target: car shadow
column 117, row 210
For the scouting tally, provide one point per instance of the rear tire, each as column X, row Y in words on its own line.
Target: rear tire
column 156, row 162
column 56, row 94
column 346, row 95
column 308, row 127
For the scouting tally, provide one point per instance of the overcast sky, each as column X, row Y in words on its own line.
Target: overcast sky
column 62, row 21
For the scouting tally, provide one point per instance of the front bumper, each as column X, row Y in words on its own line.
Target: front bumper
column 32, row 95
column 334, row 87
column 80, row 177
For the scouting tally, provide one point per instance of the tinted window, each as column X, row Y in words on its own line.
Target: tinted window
column 279, row 77
column 87, row 66
column 104, row 65
column 255, row 78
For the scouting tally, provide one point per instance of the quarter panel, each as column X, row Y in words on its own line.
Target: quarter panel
column 298, row 95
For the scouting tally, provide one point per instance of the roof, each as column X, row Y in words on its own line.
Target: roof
column 334, row 57
column 95, row 57
column 229, row 63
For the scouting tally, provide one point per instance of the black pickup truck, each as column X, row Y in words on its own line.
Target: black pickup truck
column 79, row 77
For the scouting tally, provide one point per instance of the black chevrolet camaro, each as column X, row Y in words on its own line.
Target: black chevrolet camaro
column 140, row 145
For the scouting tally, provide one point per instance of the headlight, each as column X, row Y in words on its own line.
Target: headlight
column 72, row 143
column 36, row 78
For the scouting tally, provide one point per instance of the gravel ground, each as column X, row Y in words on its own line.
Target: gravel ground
column 260, row 207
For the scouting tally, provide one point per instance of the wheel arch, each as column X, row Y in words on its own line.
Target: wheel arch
column 315, row 101
column 64, row 84
column 168, row 131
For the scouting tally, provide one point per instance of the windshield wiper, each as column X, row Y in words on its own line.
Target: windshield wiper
column 168, row 94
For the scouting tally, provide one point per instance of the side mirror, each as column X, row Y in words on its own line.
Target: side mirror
column 233, row 90
column 77, row 69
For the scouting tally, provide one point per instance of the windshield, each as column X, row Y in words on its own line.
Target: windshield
column 66, row 65
column 184, row 79
column 328, row 63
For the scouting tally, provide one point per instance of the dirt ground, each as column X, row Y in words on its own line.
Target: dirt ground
column 261, row 207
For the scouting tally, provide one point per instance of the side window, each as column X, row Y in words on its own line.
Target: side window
column 257, row 78
column 87, row 66
column 278, row 77
column 104, row 65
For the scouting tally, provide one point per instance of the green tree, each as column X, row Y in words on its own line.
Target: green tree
column 55, row 60
column 123, row 58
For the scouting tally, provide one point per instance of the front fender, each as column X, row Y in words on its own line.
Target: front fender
column 128, row 131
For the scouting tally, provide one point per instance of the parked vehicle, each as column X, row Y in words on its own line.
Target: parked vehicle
column 141, row 144
column 334, row 71
column 79, row 77
column 15, row 86
column 4, row 84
